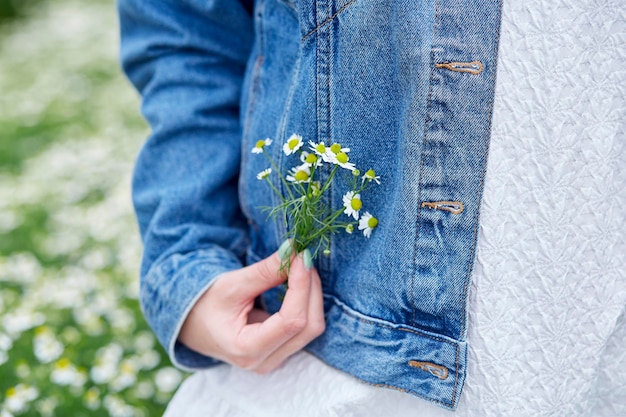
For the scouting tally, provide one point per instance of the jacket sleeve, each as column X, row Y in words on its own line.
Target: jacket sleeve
column 187, row 59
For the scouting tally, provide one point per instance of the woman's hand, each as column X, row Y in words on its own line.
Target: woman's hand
column 225, row 325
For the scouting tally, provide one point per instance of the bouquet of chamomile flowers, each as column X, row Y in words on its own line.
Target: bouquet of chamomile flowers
column 311, row 223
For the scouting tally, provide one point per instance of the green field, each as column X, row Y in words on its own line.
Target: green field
column 73, row 341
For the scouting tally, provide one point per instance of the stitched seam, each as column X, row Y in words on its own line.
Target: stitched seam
column 252, row 94
column 421, row 171
column 330, row 19
column 450, row 404
column 402, row 329
column 484, row 169
column 328, row 118
column 456, row 374
column 281, row 226
column 289, row 5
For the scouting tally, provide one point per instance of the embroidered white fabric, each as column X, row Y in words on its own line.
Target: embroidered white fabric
column 547, row 331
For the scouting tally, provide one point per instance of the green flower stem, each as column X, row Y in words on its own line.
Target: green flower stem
column 274, row 188
column 329, row 180
column 327, row 225
column 282, row 178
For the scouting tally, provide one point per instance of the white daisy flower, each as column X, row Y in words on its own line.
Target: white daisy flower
column 18, row 398
column 258, row 148
column 264, row 174
column 341, row 159
column 293, row 144
column 92, row 398
column 45, row 346
column 320, row 149
column 336, row 148
column 65, row 373
column 370, row 175
column 349, row 229
column 352, row 202
column 167, row 379
column 367, row 224
column 316, row 188
column 299, row 174
column 310, row 159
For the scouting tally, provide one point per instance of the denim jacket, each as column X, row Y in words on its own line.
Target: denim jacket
column 407, row 86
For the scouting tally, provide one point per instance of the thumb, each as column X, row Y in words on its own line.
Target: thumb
column 263, row 275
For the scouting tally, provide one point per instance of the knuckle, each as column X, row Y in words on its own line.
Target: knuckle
column 245, row 362
column 295, row 325
column 264, row 370
column 241, row 353
column 317, row 327
column 267, row 271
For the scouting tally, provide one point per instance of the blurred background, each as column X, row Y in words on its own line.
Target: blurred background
column 73, row 341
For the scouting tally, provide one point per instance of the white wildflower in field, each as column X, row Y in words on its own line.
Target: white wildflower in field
column 71, row 328
column 117, row 407
column 167, row 379
column 91, row 398
column 46, row 407
column 18, row 398
column 20, row 321
column 144, row 389
column 45, row 345
column 149, row 359
column 144, row 341
column 126, row 376
column 5, row 342
column 66, row 373
column 106, row 363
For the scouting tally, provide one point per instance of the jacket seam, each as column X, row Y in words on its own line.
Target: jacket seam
column 377, row 322
column 421, row 170
column 483, row 172
column 325, row 22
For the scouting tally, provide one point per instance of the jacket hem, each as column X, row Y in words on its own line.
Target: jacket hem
column 395, row 356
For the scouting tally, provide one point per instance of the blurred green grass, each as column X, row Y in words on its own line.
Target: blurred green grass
column 73, row 341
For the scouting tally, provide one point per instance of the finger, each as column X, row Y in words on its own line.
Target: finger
column 315, row 327
column 259, row 277
column 290, row 320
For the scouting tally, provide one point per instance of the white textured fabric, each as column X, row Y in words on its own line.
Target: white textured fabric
column 547, row 332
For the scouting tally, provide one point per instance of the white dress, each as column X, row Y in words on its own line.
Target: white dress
column 547, row 329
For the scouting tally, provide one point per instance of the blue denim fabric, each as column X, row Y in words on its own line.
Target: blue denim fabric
column 407, row 86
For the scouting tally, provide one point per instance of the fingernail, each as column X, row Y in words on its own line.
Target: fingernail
column 284, row 251
column 308, row 259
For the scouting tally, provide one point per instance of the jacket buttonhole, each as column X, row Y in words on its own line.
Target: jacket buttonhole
column 474, row 67
column 439, row 371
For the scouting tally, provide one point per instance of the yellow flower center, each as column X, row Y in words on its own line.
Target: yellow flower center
column 356, row 204
column 301, row 176
column 320, row 147
column 41, row 330
column 260, row 144
column 293, row 143
column 342, row 157
column 63, row 363
column 11, row 392
column 335, row 148
column 372, row 222
column 370, row 174
column 311, row 158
